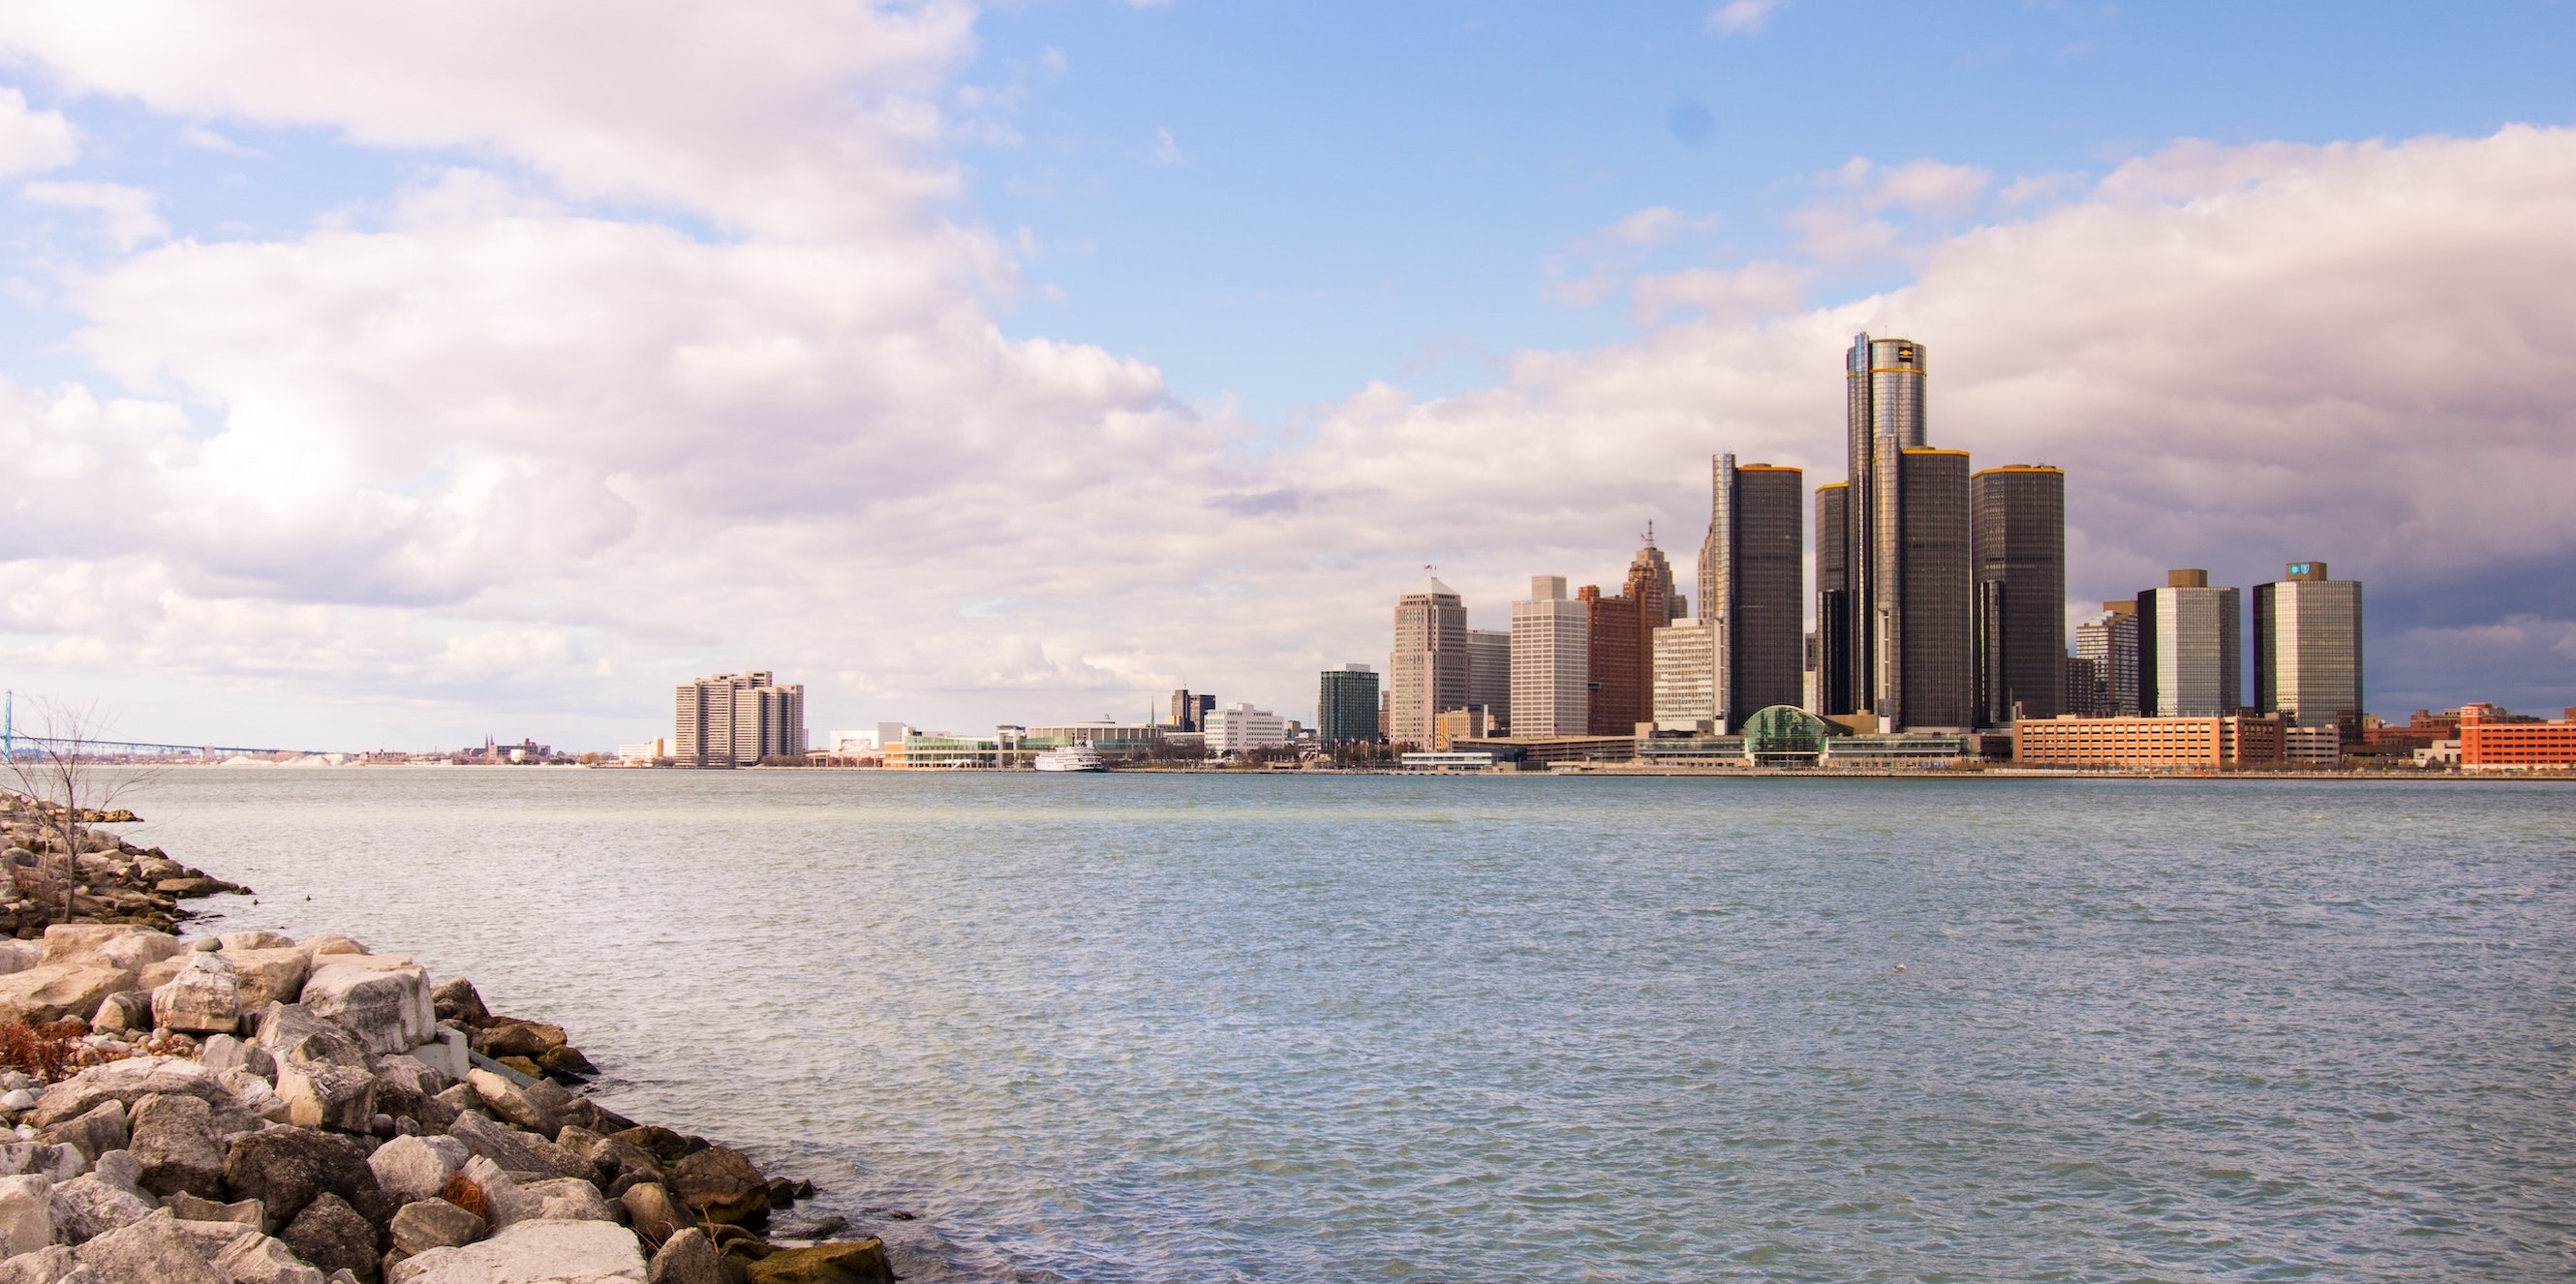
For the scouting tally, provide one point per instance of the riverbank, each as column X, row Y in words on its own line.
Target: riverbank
column 246, row 1107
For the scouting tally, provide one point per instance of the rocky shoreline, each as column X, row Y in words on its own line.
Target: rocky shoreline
column 245, row 1108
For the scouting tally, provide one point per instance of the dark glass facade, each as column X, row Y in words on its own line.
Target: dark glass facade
column 2020, row 608
column 1346, row 707
column 1833, row 603
column 1930, row 679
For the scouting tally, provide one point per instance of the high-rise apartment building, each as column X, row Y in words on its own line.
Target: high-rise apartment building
column 737, row 719
column 1615, row 692
column 1686, row 682
column 1752, row 586
column 2307, row 649
column 1489, row 673
column 1896, row 585
column 2086, row 695
column 1346, row 705
column 1430, row 670
column 2020, row 603
column 1551, row 645
column 2110, row 641
column 2190, row 649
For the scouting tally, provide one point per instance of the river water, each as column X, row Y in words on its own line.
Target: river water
column 1217, row 1027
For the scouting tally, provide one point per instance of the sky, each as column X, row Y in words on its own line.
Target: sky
column 399, row 375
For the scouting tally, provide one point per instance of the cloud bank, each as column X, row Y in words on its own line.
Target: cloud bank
column 498, row 451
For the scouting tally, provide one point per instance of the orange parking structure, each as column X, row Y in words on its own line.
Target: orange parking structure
column 2516, row 745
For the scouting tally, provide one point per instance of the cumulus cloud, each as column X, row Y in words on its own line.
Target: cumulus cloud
column 32, row 142
column 1741, row 17
column 127, row 215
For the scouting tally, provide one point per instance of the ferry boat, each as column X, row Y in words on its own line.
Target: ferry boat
column 1074, row 757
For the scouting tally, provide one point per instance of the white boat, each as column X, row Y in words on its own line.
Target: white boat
column 1075, row 757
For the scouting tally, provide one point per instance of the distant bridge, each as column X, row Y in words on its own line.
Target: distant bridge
column 14, row 745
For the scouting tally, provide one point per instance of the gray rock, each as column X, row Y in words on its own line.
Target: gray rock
column 128, row 1013
column 388, row 1008
column 53, row 1265
column 173, row 1137
column 552, row 1199
column 221, row 1052
column 120, row 1168
column 124, row 1081
column 204, row 944
column 588, row 1252
column 86, row 1207
column 285, row 1168
column 26, row 1214
column 434, row 1223
column 190, row 1208
column 510, row 1150
column 95, row 1133
column 149, row 1250
column 456, row 1000
column 258, row 1259
column 258, row 939
column 212, row 1239
column 204, row 998
column 417, row 1168
column 333, row 1236
column 17, row 1100
column 654, row 1213
column 325, row 1095
column 687, row 1258
column 57, row 1163
column 293, row 1034
column 511, row 1104
column 268, row 976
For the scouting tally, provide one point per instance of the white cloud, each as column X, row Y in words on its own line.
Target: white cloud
column 32, row 142
column 1741, row 17
column 126, row 214
column 1165, row 151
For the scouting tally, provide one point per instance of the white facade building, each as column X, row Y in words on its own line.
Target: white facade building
column 1551, row 662
column 644, row 751
column 1238, row 727
column 1687, row 695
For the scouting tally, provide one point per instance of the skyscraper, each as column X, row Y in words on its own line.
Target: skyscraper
column 1650, row 585
column 1346, row 705
column 2110, row 641
column 1896, row 586
column 1752, row 586
column 1686, row 686
column 2307, row 649
column 1550, row 662
column 737, row 719
column 1185, row 711
column 1430, row 671
column 1834, row 665
column 2190, row 656
column 1489, row 673
column 2020, row 604
column 1615, row 690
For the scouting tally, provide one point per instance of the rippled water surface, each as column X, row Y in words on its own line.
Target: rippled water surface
column 1114, row 1028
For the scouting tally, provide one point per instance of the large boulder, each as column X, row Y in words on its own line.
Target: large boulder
column 291, row 1033
column 128, row 1013
column 127, row 1082
column 286, row 1168
column 434, row 1223
column 856, row 1262
column 512, row 1152
column 334, row 1237
column 722, row 1185
column 50, row 992
column 26, row 1214
column 138, row 950
column 190, row 1208
column 53, row 1163
column 322, row 1095
column 552, row 1199
column 205, row 998
column 151, row 1250
column 688, row 1257
column 258, row 1259
column 383, row 1000
column 94, row 1133
column 417, row 1168
column 88, row 942
column 95, row 1204
column 174, row 1138
column 534, row 1252
column 268, row 975
column 511, row 1105
column 255, row 939
column 654, row 1214
column 43, row 1266
column 456, row 1000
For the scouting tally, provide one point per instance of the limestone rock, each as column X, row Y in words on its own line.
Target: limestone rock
column 285, row 1168
column 447, row 1054
column 85, row 1207
column 53, row 1265
column 83, row 942
column 126, row 1013
column 190, row 1208
column 152, row 976
column 94, row 1133
column 322, row 1095
column 534, row 1252
column 332, row 943
column 508, row 1150
column 417, row 1168
column 722, row 1185
column 333, row 1236
column 258, row 1259
column 50, row 992
column 434, row 1223
column 384, row 1002
column 26, row 1214
column 212, row 1239
column 654, row 1214
column 857, row 1262
column 511, row 1105
column 255, row 1095
column 553, row 1199
column 456, row 1000
column 137, row 950
column 18, row 956
column 255, row 940
column 53, row 1163
column 150, row 1250
column 293, row 1033
column 688, row 1257
column 508, row 1037
column 124, row 1081
column 174, row 1138
column 205, row 998
column 268, row 975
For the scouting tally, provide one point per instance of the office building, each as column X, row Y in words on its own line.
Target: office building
column 2190, row 657
column 1238, row 727
column 1551, row 643
column 1346, row 705
column 1185, row 712
column 2523, row 744
column 1659, row 602
column 1615, row 693
column 2307, row 649
column 2019, row 607
column 1836, row 633
column 1895, row 580
column 2311, row 746
column 2236, row 740
column 1752, row 586
column 1686, row 683
column 890, row 734
column 1430, row 670
column 644, row 752
column 1470, row 723
column 2110, row 641
column 1489, row 673
column 738, row 719
column 2086, row 694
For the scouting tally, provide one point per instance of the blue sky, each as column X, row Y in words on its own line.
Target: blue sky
column 454, row 370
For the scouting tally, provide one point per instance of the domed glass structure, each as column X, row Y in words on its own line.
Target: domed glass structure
column 1786, row 736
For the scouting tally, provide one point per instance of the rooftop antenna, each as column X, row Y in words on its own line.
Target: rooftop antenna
column 1650, row 532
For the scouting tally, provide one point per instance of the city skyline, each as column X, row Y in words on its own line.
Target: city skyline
column 363, row 389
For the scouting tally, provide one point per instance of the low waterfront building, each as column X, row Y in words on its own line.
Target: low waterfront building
column 1239, row 727
column 2236, row 740
column 2303, row 746
column 2495, row 745
column 1665, row 749
column 925, row 751
column 1900, row 749
column 1114, row 741
column 1446, row 761
column 1547, row 751
column 643, row 752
